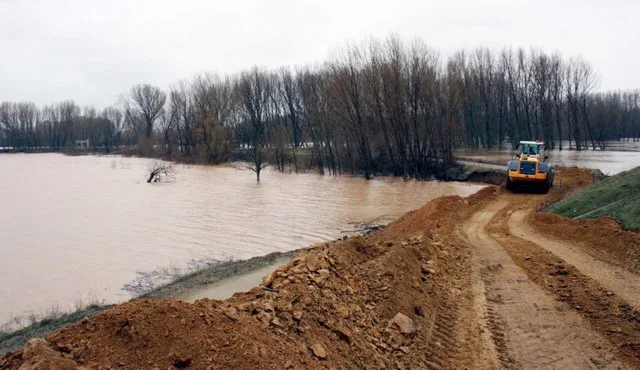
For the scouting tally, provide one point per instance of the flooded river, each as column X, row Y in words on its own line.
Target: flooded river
column 81, row 228
column 619, row 157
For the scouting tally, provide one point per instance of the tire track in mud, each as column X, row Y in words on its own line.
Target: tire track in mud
column 487, row 351
column 608, row 314
column 442, row 340
column 529, row 327
column 616, row 279
column 454, row 340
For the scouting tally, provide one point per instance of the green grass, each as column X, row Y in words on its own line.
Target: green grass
column 617, row 196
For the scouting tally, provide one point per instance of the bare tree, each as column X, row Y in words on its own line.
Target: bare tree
column 253, row 89
column 389, row 107
column 116, row 125
column 212, row 103
column 159, row 171
column 180, row 109
column 144, row 107
column 346, row 72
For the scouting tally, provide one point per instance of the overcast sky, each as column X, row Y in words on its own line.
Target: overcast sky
column 92, row 51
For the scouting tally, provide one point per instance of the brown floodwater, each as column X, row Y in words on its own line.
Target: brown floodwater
column 90, row 228
column 618, row 157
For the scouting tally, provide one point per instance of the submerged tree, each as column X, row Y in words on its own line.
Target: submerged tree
column 253, row 90
column 159, row 171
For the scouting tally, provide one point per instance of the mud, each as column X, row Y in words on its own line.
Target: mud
column 532, row 328
column 451, row 285
column 617, row 279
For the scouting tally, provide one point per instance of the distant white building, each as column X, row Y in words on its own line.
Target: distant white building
column 82, row 144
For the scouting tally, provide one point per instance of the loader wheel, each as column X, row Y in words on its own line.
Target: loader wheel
column 545, row 187
column 548, row 184
column 510, row 185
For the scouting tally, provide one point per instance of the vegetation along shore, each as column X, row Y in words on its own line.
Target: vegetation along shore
column 381, row 107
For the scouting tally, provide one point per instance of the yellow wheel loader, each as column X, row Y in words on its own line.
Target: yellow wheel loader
column 529, row 169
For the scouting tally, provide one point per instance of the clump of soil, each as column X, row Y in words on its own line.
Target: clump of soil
column 380, row 301
column 606, row 238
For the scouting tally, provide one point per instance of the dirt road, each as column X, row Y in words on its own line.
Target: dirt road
column 483, row 282
column 618, row 280
column 532, row 328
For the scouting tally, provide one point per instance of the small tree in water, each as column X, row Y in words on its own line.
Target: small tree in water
column 159, row 172
column 258, row 162
column 254, row 89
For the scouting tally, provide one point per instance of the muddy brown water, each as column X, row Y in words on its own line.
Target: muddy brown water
column 618, row 157
column 79, row 229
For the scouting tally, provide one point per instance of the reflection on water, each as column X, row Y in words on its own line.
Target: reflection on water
column 72, row 227
column 618, row 157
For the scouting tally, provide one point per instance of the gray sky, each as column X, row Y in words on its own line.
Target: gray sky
column 92, row 51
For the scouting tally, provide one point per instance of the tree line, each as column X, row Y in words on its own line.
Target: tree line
column 382, row 107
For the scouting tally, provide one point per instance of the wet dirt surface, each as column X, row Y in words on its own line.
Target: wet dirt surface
column 536, row 330
column 618, row 280
column 227, row 287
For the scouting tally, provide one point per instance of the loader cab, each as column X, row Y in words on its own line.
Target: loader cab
column 531, row 150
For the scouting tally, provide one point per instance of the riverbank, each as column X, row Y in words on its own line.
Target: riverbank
column 13, row 340
column 222, row 274
column 190, row 284
column 218, row 281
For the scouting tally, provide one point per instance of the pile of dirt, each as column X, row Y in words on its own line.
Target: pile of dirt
column 570, row 180
column 487, row 176
column 606, row 238
column 473, row 173
column 376, row 302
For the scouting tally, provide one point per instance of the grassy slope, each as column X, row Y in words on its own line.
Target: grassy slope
column 617, row 196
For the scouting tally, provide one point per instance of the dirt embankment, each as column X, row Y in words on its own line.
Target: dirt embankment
column 447, row 286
